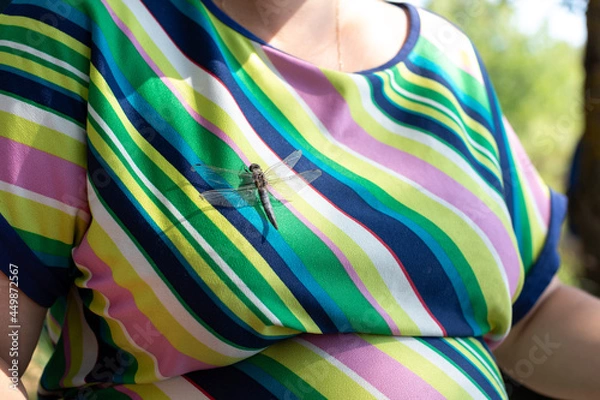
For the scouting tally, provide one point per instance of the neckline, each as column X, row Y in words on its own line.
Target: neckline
column 414, row 27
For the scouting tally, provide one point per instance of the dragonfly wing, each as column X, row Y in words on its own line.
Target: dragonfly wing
column 237, row 198
column 220, row 177
column 283, row 167
column 285, row 189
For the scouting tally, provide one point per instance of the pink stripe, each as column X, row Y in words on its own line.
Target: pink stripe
column 122, row 307
column 530, row 173
column 386, row 374
column 349, row 270
column 321, row 96
column 43, row 173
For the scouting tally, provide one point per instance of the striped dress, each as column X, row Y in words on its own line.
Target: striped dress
column 392, row 275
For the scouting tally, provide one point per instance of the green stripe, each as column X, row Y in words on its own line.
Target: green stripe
column 285, row 377
column 48, row 45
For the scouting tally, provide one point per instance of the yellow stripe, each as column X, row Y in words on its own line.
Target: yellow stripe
column 145, row 40
column 44, row 139
column 45, row 30
column 323, row 376
column 491, row 361
column 31, row 216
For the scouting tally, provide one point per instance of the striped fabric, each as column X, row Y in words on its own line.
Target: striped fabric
column 427, row 235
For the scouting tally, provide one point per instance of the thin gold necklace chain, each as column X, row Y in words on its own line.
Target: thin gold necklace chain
column 338, row 36
column 338, row 33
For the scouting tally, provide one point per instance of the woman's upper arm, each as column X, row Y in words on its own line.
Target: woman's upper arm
column 21, row 321
column 517, row 329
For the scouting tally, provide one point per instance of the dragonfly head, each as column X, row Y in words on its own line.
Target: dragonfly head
column 254, row 167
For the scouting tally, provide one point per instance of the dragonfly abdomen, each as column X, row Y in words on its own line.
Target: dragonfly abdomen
column 263, row 194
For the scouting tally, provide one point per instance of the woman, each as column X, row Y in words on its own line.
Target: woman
column 420, row 235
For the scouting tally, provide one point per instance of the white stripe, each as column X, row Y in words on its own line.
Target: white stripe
column 184, row 222
column 165, row 296
column 41, row 199
column 343, row 368
column 448, row 113
column 45, row 56
column 444, row 366
column 42, row 117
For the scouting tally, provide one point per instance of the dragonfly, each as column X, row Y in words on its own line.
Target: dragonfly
column 256, row 186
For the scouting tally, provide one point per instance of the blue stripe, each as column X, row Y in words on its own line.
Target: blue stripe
column 229, row 383
column 266, row 380
column 44, row 93
column 42, row 284
column 539, row 275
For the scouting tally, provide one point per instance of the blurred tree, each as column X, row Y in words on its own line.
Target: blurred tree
column 584, row 208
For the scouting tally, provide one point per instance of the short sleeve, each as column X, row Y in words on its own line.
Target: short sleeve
column 536, row 212
column 44, row 76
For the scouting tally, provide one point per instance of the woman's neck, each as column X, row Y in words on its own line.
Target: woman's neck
column 369, row 32
column 269, row 19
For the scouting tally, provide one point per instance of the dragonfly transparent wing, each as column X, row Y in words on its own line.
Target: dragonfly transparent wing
column 221, row 177
column 286, row 188
column 283, row 167
column 244, row 196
